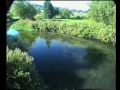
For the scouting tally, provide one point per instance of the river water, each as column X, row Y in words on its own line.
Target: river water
column 69, row 62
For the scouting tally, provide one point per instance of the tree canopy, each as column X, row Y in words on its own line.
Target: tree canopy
column 23, row 9
column 48, row 9
column 65, row 13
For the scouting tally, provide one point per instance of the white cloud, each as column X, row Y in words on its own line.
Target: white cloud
column 79, row 5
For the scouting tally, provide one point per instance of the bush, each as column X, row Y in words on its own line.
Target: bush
column 102, row 11
column 23, row 9
column 86, row 29
column 77, row 17
column 65, row 13
column 20, row 71
column 22, row 25
column 39, row 16
column 47, row 26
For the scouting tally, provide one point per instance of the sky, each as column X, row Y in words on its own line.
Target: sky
column 78, row 5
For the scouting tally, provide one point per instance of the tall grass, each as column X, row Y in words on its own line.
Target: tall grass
column 80, row 28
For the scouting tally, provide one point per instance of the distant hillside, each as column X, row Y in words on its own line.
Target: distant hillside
column 40, row 7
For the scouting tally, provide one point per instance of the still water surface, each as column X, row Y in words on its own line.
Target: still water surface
column 69, row 62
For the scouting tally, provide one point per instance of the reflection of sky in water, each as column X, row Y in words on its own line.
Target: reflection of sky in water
column 56, row 60
column 55, row 51
column 12, row 32
column 67, row 65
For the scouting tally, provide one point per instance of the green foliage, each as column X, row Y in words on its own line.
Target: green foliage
column 86, row 29
column 79, row 16
column 48, row 10
column 39, row 16
column 20, row 71
column 57, row 11
column 102, row 11
column 114, row 17
column 47, row 26
column 65, row 13
column 22, row 25
column 23, row 9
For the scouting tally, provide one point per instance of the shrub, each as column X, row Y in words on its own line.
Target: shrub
column 22, row 25
column 47, row 26
column 77, row 17
column 39, row 16
column 86, row 29
column 20, row 71
column 65, row 13
column 56, row 10
column 102, row 11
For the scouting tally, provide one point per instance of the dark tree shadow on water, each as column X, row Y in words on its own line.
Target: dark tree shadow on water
column 59, row 73
column 58, row 68
column 94, row 57
column 14, row 42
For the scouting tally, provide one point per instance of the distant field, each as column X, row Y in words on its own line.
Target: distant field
column 72, row 20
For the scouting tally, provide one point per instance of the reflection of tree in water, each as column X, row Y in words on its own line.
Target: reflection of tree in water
column 61, row 72
column 94, row 57
column 48, row 42
column 48, row 39
column 29, row 36
column 17, row 42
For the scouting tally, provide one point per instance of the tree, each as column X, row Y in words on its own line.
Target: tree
column 57, row 11
column 23, row 9
column 102, row 11
column 65, row 13
column 48, row 10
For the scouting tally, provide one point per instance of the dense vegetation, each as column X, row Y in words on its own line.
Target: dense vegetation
column 86, row 29
column 21, row 72
column 65, row 13
column 97, row 24
column 103, row 11
column 22, row 10
column 23, row 25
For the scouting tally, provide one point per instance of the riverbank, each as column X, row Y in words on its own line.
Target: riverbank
column 85, row 28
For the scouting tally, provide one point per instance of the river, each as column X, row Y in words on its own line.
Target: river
column 69, row 62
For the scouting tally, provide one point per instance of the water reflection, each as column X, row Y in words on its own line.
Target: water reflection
column 12, row 32
column 67, row 62
column 94, row 57
column 14, row 40
column 57, row 62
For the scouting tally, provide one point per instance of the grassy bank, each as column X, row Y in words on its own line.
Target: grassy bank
column 88, row 29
